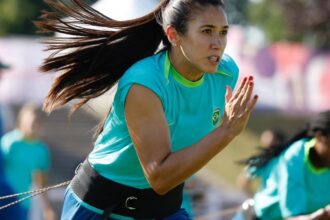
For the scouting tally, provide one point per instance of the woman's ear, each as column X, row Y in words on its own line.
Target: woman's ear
column 172, row 35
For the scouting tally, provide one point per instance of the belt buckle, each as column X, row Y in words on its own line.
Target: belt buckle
column 128, row 200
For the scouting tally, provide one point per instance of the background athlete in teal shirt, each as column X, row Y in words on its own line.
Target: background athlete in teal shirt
column 26, row 158
column 13, row 212
column 295, row 177
column 173, row 111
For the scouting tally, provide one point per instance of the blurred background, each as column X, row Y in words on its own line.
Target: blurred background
column 284, row 44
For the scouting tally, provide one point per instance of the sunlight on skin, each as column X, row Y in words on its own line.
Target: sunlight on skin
column 151, row 166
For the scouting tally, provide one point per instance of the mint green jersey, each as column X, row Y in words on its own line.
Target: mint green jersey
column 294, row 186
column 192, row 110
column 266, row 198
column 22, row 158
column 303, row 188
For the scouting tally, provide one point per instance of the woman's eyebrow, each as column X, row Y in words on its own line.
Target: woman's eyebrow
column 213, row 26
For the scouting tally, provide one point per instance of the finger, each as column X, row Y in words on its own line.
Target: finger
column 248, row 93
column 241, row 86
column 229, row 93
column 252, row 104
column 244, row 92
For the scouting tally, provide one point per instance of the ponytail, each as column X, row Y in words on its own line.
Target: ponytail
column 92, row 60
column 318, row 123
column 267, row 154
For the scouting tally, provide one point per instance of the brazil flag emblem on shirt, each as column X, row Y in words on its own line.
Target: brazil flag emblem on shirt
column 215, row 116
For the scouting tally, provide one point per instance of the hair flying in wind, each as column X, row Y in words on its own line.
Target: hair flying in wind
column 97, row 51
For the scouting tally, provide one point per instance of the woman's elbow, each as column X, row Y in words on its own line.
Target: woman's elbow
column 159, row 184
column 159, row 189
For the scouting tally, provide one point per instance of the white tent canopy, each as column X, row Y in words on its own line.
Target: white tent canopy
column 125, row 9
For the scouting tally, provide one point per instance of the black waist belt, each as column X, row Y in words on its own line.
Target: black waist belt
column 112, row 197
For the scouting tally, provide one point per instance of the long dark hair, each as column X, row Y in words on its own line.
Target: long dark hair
column 99, row 49
column 320, row 122
column 92, row 60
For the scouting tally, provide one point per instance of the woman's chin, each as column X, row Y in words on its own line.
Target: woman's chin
column 211, row 70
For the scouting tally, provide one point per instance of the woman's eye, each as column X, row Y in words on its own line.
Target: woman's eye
column 207, row 31
column 224, row 33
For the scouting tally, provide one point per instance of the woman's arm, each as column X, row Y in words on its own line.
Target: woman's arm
column 39, row 180
column 246, row 183
column 149, row 131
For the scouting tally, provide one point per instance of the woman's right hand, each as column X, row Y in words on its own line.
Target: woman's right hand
column 239, row 107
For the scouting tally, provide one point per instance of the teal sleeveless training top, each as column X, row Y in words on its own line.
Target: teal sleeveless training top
column 192, row 110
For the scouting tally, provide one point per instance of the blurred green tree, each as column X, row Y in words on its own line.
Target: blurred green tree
column 17, row 16
column 294, row 20
column 236, row 11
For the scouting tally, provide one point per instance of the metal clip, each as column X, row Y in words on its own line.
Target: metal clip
column 128, row 200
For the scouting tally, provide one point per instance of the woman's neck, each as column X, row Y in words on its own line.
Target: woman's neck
column 183, row 66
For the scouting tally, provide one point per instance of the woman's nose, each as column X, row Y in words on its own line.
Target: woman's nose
column 218, row 43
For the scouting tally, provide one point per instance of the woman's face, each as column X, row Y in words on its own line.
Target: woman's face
column 29, row 124
column 205, row 40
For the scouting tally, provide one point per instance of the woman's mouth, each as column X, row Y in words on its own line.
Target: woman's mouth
column 214, row 59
